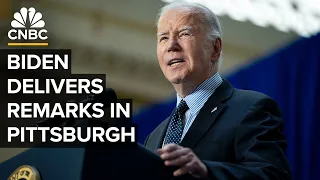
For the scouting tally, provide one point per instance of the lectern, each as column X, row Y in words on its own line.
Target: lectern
column 90, row 162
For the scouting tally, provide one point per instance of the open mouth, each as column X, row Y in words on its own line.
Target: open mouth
column 175, row 61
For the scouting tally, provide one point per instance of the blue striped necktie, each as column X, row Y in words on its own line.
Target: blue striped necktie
column 175, row 127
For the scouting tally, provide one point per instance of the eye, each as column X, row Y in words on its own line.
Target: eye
column 163, row 38
column 185, row 34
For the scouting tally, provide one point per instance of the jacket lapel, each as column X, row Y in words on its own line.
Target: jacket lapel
column 162, row 132
column 207, row 115
column 159, row 134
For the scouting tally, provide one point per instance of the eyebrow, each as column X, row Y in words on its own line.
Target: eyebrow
column 185, row 28
column 161, row 33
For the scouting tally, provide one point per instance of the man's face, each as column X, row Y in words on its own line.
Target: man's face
column 181, row 50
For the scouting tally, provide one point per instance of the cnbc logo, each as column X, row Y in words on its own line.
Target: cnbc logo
column 27, row 25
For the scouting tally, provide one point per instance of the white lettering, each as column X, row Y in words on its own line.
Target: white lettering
column 42, row 37
column 125, row 111
column 10, row 81
column 131, row 134
column 27, row 83
column 72, row 134
column 13, row 59
column 27, row 34
column 26, row 110
column 88, row 134
column 12, row 37
column 31, row 129
column 116, row 136
column 54, row 132
column 84, row 85
column 13, row 132
column 71, row 86
column 96, row 83
column 33, row 61
column 98, row 135
column 43, row 132
column 13, row 108
column 100, row 112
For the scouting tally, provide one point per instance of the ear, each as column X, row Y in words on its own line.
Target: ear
column 217, row 47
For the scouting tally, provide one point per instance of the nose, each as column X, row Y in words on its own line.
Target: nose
column 174, row 45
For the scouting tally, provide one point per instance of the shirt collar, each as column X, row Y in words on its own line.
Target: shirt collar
column 201, row 94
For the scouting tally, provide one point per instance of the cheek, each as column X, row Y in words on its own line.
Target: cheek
column 160, row 55
column 198, row 61
column 191, row 49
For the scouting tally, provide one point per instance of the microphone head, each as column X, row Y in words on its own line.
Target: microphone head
column 106, row 97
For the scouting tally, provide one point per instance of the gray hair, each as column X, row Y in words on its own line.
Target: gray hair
column 207, row 17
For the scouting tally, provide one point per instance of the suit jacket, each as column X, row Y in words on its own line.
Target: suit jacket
column 241, row 139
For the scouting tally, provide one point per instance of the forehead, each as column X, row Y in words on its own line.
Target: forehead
column 174, row 19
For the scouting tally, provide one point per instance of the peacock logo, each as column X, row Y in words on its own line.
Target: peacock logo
column 27, row 25
column 21, row 18
column 25, row 172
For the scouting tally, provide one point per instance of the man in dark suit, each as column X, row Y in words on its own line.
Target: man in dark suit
column 215, row 131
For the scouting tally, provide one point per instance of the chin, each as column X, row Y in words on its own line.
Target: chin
column 177, row 80
column 177, row 77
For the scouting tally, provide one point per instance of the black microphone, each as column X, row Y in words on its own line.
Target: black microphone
column 107, row 97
